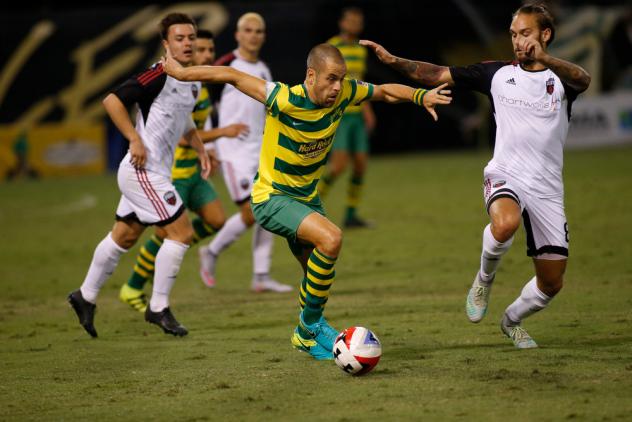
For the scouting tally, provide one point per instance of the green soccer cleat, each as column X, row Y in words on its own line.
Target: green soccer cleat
column 477, row 300
column 133, row 297
column 311, row 346
column 521, row 339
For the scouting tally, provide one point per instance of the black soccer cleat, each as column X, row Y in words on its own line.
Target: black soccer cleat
column 165, row 320
column 357, row 223
column 84, row 310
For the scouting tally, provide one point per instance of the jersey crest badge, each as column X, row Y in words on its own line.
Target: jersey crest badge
column 194, row 91
column 550, row 86
column 499, row 184
column 170, row 198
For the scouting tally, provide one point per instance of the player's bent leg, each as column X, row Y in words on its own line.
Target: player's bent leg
column 535, row 296
column 497, row 239
column 105, row 259
column 168, row 261
column 354, row 192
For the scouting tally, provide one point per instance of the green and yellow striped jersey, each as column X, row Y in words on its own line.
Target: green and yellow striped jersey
column 185, row 162
column 355, row 59
column 297, row 139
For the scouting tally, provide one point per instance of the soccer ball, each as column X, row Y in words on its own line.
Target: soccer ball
column 357, row 350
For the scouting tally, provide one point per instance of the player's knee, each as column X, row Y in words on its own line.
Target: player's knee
column 504, row 228
column 331, row 242
column 551, row 285
column 184, row 235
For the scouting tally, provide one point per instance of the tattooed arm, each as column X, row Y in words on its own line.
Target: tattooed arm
column 425, row 73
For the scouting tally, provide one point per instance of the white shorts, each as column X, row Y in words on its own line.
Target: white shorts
column 239, row 178
column 544, row 218
column 148, row 198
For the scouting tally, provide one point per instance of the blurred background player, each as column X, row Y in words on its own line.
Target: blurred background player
column 144, row 177
column 197, row 194
column 300, row 126
column 532, row 98
column 240, row 159
column 352, row 136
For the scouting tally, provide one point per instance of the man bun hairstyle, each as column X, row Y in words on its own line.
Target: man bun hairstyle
column 543, row 16
column 174, row 19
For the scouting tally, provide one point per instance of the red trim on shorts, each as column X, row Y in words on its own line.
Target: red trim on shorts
column 141, row 174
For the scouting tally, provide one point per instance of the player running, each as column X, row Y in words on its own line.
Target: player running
column 300, row 125
column 532, row 99
column 144, row 177
column 197, row 194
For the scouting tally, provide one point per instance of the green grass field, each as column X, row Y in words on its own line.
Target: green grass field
column 406, row 279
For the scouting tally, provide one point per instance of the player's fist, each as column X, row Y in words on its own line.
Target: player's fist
column 137, row 153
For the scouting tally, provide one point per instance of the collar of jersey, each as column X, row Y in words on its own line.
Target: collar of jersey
column 533, row 71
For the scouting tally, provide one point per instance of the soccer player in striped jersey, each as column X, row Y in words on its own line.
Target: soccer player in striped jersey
column 300, row 126
column 148, row 196
column 532, row 98
column 197, row 194
column 352, row 136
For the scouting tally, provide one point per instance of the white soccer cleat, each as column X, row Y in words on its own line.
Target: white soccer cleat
column 270, row 285
column 207, row 266
column 521, row 339
column 477, row 300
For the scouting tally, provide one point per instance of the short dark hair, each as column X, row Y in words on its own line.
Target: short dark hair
column 543, row 16
column 174, row 19
column 354, row 10
column 204, row 33
column 320, row 53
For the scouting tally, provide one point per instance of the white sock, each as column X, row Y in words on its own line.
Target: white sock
column 168, row 260
column 530, row 301
column 104, row 261
column 493, row 250
column 262, row 243
column 232, row 229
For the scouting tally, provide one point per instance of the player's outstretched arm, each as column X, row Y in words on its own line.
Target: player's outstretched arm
column 396, row 93
column 120, row 117
column 250, row 85
column 422, row 72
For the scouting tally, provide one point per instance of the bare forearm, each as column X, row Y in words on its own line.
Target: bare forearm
column 396, row 93
column 211, row 135
column 425, row 73
column 194, row 140
column 120, row 117
column 210, row 74
column 570, row 73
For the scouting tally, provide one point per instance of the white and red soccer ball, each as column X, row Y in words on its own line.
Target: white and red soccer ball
column 357, row 350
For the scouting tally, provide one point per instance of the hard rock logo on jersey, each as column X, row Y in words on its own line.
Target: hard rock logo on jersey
column 315, row 148
column 194, row 90
column 550, row 86
column 170, row 198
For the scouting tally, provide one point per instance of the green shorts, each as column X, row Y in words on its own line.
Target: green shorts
column 195, row 191
column 282, row 215
column 352, row 135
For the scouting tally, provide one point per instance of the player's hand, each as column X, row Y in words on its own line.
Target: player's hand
column 529, row 49
column 171, row 66
column 212, row 156
column 380, row 52
column 236, row 130
column 137, row 153
column 205, row 166
column 437, row 96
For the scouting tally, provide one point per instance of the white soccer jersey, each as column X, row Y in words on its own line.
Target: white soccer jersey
column 164, row 114
column 532, row 112
column 237, row 107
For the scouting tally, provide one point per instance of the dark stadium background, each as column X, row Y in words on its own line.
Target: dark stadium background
column 412, row 29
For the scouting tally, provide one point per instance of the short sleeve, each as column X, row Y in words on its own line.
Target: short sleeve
column 142, row 87
column 274, row 94
column 363, row 92
column 477, row 77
